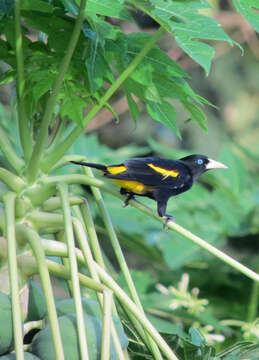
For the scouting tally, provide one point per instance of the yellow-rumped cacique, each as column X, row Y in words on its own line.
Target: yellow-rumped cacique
column 156, row 178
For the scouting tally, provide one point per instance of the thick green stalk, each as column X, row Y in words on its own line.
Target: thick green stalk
column 54, row 203
column 24, row 130
column 69, row 236
column 86, row 213
column 62, row 148
column 253, row 303
column 106, row 329
column 82, row 179
column 34, row 164
column 9, row 202
column 38, row 252
column 14, row 160
column 15, row 183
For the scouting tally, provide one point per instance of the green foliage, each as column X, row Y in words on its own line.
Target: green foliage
column 249, row 9
column 187, row 24
column 99, row 53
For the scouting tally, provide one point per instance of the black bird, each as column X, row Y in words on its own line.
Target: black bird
column 156, row 178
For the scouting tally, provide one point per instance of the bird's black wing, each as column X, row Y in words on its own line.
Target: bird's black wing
column 155, row 172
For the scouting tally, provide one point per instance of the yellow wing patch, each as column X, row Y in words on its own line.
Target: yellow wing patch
column 114, row 170
column 133, row 186
column 165, row 172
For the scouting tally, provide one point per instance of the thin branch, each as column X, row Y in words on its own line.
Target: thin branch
column 34, row 164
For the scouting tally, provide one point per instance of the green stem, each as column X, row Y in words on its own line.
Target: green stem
column 69, row 236
column 31, row 325
column 86, row 213
column 15, row 183
column 43, row 130
column 46, row 220
column 62, row 148
column 38, row 252
column 253, row 303
column 38, row 193
column 85, row 248
column 24, row 130
column 120, row 257
column 65, row 261
column 61, row 271
column 54, row 203
column 29, row 267
column 14, row 160
column 60, row 249
column 106, row 329
column 9, row 202
column 82, row 179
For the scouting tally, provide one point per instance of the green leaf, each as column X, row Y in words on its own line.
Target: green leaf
column 42, row 82
column 133, row 107
column 165, row 114
column 196, row 113
column 73, row 108
column 184, row 20
column 165, row 326
column 37, row 5
column 6, row 55
column 7, row 77
column 97, row 67
column 110, row 108
column 112, row 8
column 158, row 59
column 143, row 92
column 249, row 9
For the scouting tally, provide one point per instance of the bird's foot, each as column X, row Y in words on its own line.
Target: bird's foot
column 128, row 198
column 167, row 220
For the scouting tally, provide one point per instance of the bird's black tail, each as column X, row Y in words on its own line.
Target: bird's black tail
column 92, row 165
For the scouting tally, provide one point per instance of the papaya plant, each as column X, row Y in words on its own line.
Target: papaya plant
column 64, row 60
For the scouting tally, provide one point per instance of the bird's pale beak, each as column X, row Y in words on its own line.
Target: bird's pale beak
column 212, row 164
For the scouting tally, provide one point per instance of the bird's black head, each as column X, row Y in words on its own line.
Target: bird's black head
column 198, row 164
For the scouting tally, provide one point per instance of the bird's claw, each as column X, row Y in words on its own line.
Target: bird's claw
column 127, row 200
column 167, row 220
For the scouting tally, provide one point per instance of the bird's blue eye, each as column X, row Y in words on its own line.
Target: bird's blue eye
column 199, row 161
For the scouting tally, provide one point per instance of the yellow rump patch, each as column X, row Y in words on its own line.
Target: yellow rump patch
column 165, row 172
column 133, row 186
column 114, row 170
